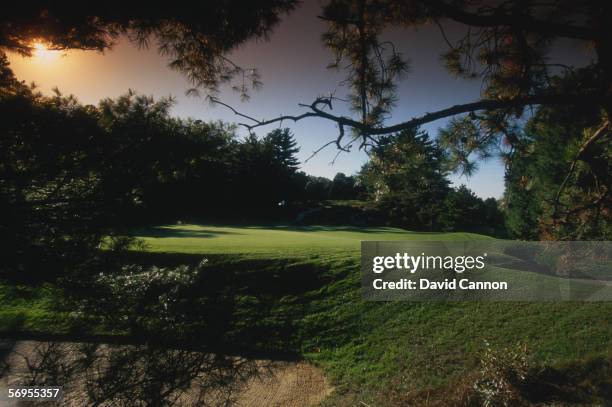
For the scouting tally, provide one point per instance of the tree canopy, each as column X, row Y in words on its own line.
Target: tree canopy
column 195, row 36
column 555, row 187
column 507, row 46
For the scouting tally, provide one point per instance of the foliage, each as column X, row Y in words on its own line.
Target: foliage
column 406, row 177
column 151, row 299
column 317, row 188
column 73, row 178
column 263, row 174
column 196, row 37
column 372, row 66
column 54, row 194
column 341, row 187
column 463, row 210
column 539, row 201
column 508, row 46
column 344, row 187
column 501, row 373
column 285, row 148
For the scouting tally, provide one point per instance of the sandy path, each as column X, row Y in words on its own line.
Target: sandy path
column 267, row 383
column 290, row 384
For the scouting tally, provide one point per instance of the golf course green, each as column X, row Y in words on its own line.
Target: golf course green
column 281, row 239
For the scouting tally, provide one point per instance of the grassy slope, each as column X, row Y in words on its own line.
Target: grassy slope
column 378, row 352
column 367, row 346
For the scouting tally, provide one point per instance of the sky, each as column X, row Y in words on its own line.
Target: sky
column 292, row 64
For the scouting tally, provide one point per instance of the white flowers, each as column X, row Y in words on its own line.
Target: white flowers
column 136, row 277
column 159, row 287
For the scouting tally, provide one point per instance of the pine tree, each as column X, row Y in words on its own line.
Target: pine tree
column 284, row 147
column 406, row 178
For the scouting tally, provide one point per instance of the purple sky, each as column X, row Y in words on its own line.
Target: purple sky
column 293, row 68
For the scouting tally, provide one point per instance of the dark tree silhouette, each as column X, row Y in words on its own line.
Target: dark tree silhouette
column 195, row 36
column 285, row 147
column 507, row 46
column 542, row 199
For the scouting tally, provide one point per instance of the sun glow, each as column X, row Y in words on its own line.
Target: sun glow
column 44, row 54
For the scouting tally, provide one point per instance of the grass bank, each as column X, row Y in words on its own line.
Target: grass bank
column 296, row 290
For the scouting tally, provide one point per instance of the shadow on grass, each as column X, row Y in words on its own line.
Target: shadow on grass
column 163, row 231
column 169, row 341
column 187, row 231
column 585, row 383
column 232, row 305
column 128, row 375
column 286, row 227
column 324, row 228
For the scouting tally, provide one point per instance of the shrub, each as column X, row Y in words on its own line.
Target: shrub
column 501, row 373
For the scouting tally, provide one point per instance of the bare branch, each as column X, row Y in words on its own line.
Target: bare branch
column 484, row 104
column 315, row 112
column 443, row 34
column 318, row 150
column 214, row 100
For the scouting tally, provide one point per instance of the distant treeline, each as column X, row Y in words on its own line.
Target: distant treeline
column 128, row 162
column 407, row 180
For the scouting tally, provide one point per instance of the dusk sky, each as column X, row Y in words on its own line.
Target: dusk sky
column 293, row 68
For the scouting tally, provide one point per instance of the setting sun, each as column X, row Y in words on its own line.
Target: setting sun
column 44, row 54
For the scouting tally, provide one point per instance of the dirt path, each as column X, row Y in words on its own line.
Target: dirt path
column 184, row 378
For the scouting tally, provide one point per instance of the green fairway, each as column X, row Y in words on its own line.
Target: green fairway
column 387, row 353
column 297, row 289
column 390, row 352
column 287, row 240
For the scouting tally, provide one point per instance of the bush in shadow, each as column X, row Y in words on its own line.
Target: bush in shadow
column 240, row 306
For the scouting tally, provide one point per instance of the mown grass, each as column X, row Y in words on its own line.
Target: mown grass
column 26, row 308
column 285, row 241
column 378, row 353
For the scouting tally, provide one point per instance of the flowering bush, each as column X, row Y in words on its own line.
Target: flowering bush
column 137, row 294
column 500, row 373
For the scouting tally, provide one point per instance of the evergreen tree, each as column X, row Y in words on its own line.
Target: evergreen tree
column 285, row 148
column 464, row 211
column 555, row 188
column 343, row 187
column 406, row 178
